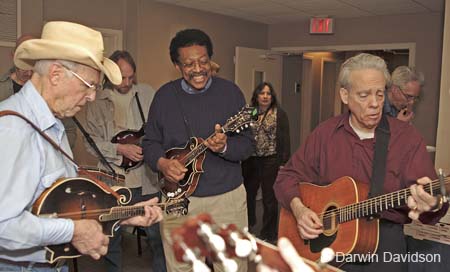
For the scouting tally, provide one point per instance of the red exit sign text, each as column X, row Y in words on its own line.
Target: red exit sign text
column 321, row 26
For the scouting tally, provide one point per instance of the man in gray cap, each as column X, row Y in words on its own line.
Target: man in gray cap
column 67, row 62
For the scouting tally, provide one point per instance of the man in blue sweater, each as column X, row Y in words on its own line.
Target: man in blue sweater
column 194, row 106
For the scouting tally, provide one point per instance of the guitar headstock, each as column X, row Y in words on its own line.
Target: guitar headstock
column 242, row 120
column 200, row 237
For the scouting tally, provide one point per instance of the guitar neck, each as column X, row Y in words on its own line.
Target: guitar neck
column 375, row 205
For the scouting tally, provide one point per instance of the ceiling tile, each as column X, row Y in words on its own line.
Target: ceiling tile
column 432, row 5
column 270, row 11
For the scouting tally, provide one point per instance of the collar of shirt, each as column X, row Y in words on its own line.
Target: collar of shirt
column 344, row 123
column 187, row 88
column 44, row 117
column 106, row 93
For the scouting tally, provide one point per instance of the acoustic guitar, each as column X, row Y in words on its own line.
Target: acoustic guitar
column 350, row 223
column 200, row 237
column 129, row 136
column 81, row 198
column 192, row 156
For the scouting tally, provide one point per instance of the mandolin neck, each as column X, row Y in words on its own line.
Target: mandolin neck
column 196, row 151
column 118, row 213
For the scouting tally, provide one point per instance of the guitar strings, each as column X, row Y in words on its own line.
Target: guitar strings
column 113, row 210
column 354, row 208
column 350, row 209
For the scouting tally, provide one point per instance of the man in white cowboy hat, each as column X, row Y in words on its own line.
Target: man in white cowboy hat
column 67, row 62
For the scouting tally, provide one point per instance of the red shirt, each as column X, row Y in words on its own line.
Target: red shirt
column 333, row 150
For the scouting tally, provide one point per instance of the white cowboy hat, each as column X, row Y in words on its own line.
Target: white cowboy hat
column 67, row 41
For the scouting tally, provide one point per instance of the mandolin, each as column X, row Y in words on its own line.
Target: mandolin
column 192, row 156
column 129, row 136
column 82, row 198
column 200, row 237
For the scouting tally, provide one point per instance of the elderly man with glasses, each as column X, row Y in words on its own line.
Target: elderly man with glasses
column 403, row 93
column 67, row 62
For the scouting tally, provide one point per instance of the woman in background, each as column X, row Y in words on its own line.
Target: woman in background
column 272, row 151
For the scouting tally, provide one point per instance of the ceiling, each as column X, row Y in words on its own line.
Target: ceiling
column 283, row 11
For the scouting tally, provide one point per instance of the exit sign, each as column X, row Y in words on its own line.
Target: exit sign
column 321, row 25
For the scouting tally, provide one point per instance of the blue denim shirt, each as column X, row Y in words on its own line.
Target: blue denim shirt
column 29, row 165
column 389, row 108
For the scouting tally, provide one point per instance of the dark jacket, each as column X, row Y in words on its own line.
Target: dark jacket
column 283, row 137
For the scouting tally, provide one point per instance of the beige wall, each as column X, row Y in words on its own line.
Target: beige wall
column 443, row 132
column 147, row 29
column 158, row 23
column 423, row 29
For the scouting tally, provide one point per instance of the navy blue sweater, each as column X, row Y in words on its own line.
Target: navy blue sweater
column 166, row 129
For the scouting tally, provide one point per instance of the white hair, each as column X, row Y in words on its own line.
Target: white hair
column 404, row 74
column 359, row 62
column 41, row 66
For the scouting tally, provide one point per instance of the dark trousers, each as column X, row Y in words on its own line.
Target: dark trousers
column 262, row 171
column 391, row 243
column 113, row 259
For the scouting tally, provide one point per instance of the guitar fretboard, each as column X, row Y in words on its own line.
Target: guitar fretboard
column 375, row 205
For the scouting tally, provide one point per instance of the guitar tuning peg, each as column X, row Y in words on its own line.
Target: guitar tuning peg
column 215, row 241
column 326, row 255
column 246, row 125
column 190, row 256
column 238, row 131
column 243, row 247
column 230, row 265
column 199, row 266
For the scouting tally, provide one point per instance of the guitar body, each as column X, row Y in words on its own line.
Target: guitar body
column 129, row 136
column 187, row 185
column 78, row 198
column 353, row 236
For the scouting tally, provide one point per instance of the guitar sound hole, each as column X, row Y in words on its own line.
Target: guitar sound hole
column 330, row 220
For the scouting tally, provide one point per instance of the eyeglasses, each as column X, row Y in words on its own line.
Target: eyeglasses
column 408, row 96
column 191, row 65
column 95, row 87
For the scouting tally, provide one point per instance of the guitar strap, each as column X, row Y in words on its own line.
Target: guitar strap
column 56, row 146
column 140, row 108
column 94, row 146
column 382, row 135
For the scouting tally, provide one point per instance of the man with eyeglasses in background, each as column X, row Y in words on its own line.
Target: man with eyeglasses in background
column 403, row 93
column 194, row 106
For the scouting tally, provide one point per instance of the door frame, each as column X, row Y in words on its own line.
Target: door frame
column 411, row 46
column 306, row 98
column 322, row 64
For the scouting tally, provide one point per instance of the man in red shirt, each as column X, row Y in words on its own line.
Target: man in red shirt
column 344, row 146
